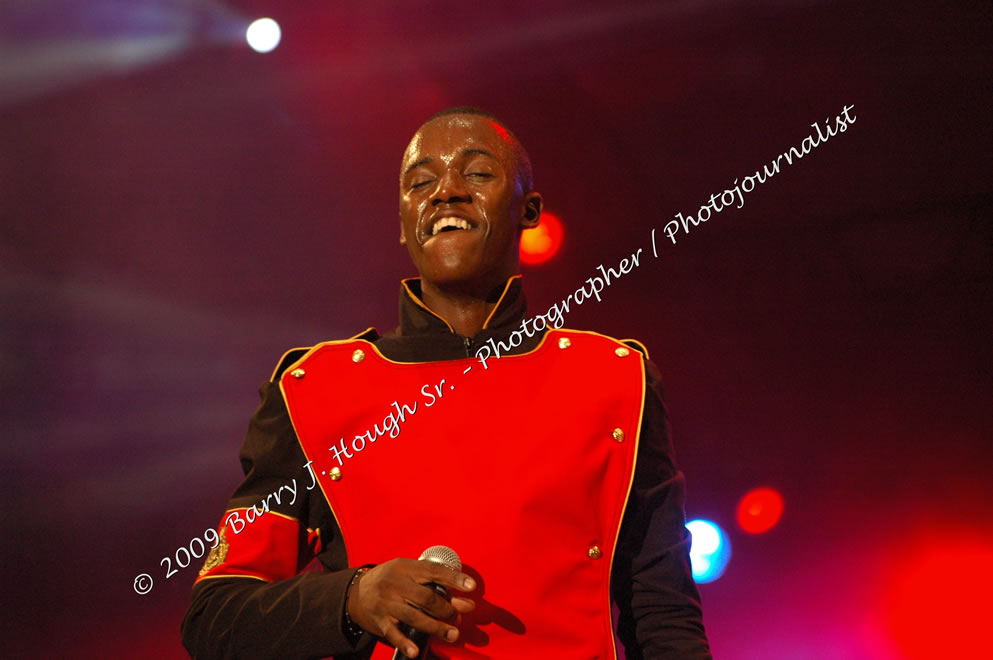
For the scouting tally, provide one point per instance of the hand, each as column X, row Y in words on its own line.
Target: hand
column 394, row 592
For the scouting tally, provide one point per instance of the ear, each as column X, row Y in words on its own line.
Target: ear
column 403, row 235
column 532, row 210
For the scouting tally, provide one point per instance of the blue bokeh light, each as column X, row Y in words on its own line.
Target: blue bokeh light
column 710, row 551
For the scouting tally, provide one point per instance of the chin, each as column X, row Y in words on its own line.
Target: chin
column 460, row 272
column 449, row 275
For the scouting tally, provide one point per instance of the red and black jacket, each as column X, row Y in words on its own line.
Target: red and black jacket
column 253, row 601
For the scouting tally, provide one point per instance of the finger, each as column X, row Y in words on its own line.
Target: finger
column 464, row 583
column 421, row 621
column 443, row 575
column 398, row 640
column 431, row 602
column 463, row 605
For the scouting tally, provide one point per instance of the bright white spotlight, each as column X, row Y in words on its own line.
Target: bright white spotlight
column 263, row 35
column 710, row 550
column 706, row 538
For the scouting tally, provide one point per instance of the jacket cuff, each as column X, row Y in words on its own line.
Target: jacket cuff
column 325, row 593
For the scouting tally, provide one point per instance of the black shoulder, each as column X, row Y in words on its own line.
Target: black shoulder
column 289, row 357
column 294, row 354
column 638, row 346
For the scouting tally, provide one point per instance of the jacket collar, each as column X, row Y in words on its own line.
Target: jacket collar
column 416, row 318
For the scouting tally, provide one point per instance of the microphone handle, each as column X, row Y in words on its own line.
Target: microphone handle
column 419, row 637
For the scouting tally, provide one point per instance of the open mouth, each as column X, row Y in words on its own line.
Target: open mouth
column 449, row 224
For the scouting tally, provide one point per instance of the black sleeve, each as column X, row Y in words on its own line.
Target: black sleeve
column 653, row 586
column 254, row 602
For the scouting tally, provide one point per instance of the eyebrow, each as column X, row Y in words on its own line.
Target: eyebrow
column 464, row 152
column 479, row 152
column 414, row 166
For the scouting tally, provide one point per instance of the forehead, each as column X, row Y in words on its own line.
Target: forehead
column 445, row 137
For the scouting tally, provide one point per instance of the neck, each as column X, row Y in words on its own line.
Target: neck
column 465, row 310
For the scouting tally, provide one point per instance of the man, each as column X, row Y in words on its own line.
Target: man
column 548, row 469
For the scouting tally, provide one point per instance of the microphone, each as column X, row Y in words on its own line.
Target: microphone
column 447, row 557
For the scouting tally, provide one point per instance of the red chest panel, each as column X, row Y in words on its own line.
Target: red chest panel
column 521, row 468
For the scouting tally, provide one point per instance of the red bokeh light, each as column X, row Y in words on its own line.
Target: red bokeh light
column 759, row 510
column 541, row 243
column 937, row 598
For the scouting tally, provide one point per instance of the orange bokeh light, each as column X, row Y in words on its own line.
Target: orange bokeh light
column 541, row 243
column 759, row 510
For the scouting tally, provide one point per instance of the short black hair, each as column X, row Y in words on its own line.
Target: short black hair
column 520, row 153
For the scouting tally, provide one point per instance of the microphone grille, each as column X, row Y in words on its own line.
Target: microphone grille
column 443, row 555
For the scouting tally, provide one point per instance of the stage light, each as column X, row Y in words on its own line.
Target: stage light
column 945, row 576
column 541, row 243
column 759, row 510
column 263, row 35
column 710, row 550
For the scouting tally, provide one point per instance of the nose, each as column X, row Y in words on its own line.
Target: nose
column 451, row 189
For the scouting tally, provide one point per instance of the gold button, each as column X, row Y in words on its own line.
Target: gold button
column 595, row 552
column 618, row 435
column 564, row 342
column 298, row 373
column 335, row 474
column 622, row 352
column 358, row 355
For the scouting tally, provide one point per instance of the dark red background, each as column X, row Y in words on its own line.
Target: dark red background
column 170, row 225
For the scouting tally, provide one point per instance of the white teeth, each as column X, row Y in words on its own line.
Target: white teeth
column 459, row 223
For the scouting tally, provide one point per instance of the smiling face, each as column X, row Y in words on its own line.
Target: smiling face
column 463, row 204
